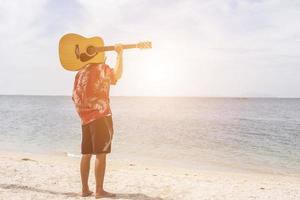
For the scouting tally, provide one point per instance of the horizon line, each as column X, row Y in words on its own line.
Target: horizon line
column 229, row 97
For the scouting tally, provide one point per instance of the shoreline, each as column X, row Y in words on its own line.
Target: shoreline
column 39, row 176
column 204, row 165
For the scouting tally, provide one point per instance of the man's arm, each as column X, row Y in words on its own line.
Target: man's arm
column 118, row 69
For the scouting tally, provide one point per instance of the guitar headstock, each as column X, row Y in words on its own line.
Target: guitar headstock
column 144, row 45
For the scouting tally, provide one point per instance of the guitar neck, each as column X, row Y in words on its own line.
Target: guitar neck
column 112, row 48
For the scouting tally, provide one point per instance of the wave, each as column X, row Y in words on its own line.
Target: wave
column 73, row 155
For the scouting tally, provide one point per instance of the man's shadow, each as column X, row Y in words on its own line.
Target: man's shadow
column 135, row 196
column 132, row 196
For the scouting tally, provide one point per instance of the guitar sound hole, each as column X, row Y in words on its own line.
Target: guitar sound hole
column 91, row 50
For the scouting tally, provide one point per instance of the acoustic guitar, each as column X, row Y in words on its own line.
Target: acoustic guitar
column 76, row 51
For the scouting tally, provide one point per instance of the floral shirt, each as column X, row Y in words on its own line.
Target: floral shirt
column 91, row 92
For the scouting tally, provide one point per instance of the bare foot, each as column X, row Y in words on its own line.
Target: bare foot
column 87, row 193
column 104, row 194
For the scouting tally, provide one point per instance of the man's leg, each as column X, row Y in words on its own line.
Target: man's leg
column 84, row 171
column 100, row 164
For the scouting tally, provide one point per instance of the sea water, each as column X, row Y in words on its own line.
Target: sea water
column 260, row 134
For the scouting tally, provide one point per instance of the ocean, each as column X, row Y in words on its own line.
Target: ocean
column 255, row 134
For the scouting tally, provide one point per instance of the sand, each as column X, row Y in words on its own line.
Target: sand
column 37, row 176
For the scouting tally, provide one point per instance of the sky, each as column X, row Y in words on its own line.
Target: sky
column 226, row 48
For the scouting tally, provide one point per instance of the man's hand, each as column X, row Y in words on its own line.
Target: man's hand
column 119, row 49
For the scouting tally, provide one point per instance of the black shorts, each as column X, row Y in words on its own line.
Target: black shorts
column 97, row 136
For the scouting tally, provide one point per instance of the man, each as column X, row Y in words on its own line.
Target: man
column 91, row 99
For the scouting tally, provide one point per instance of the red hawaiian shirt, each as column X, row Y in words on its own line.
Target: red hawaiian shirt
column 91, row 91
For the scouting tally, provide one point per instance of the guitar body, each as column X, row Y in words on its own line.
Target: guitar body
column 76, row 51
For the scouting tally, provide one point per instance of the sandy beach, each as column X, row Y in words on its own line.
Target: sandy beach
column 37, row 176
